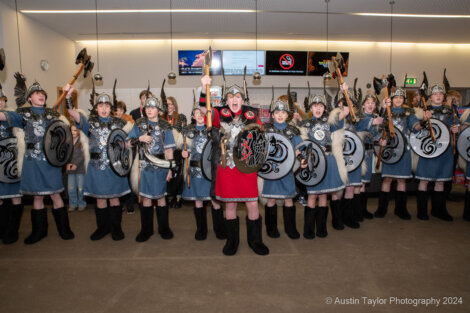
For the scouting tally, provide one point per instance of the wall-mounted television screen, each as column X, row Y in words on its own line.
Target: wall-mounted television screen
column 234, row 62
column 191, row 62
column 318, row 62
column 286, row 63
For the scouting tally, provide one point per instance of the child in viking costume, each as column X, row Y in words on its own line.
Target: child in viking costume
column 404, row 121
column 197, row 187
column 465, row 122
column 438, row 169
column 101, row 180
column 155, row 141
column 283, row 188
column 231, row 184
column 326, row 129
column 10, row 214
column 39, row 177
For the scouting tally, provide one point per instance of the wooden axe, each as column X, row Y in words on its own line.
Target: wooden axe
column 338, row 61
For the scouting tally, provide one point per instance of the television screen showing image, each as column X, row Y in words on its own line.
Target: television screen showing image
column 191, row 62
column 234, row 62
column 318, row 62
column 286, row 63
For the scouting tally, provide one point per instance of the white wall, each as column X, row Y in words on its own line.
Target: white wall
column 135, row 62
column 37, row 42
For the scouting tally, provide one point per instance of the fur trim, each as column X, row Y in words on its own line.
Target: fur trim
column 134, row 177
column 464, row 116
column 462, row 164
column 85, row 148
column 363, row 165
column 419, row 113
column 21, row 145
column 304, row 133
column 128, row 127
column 414, row 161
column 261, row 200
column 337, row 140
column 178, row 138
column 65, row 120
column 333, row 118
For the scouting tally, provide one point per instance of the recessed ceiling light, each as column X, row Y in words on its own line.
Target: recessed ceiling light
column 136, row 11
column 412, row 15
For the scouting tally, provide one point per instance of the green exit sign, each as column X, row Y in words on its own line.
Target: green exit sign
column 410, row 81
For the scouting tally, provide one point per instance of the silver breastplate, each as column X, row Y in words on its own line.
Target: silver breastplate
column 196, row 152
column 35, row 126
column 231, row 130
column 5, row 131
column 155, row 147
column 320, row 133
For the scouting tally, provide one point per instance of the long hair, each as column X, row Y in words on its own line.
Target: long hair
column 175, row 114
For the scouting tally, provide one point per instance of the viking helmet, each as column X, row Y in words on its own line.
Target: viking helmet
column 437, row 88
column 234, row 89
column 35, row 87
column 318, row 98
column 152, row 102
column 398, row 92
column 370, row 96
column 103, row 98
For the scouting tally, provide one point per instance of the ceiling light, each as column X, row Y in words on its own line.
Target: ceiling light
column 412, row 15
column 136, row 11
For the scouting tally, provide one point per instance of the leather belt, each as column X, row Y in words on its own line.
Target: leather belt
column 195, row 163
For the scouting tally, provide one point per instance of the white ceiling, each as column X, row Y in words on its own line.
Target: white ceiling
column 277, row 19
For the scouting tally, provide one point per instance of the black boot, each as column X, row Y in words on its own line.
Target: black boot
column 365, row 213
column 61, row 218
column 218, row 223
column 201, row 223
column 400, row 206
column 438, row 208
column 336, row 214
column 232, row 228
column 102, row 222
column 422, row 205
column 4, row 218
column 163, row 222
column 11, row 232
column 357, row 208
column 466, row 208
column 320, row 220
column 115, row 217
column 348, row 219
column 383, row 204
column 271, row 221
column 146, row 223
column 309, row 222
column 255, row 237
column 39, row 225
column 290, row 227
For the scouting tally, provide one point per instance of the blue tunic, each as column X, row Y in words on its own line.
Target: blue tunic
column 467, row 167
column 442, row 167
column 38, row 176
column 8, row 190
column 372, row 134
column 402, row 169
column 100, row 181
column 320, row 132
column 200, row 187
column 283, row 188
column 153, row 178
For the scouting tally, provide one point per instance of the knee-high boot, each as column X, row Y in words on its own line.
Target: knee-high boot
column 422, row 205
column 290, row 227
column 232, row 228
column 61, row 218
column 201, row 223
column 218, row 223
column 348, row 219
column 255, row 237
column 309, row 222
column 39, row 225
column 146, row 223
column 365, row 213
column 357, row 208
column 320, row 220
column 466, row 209
column 115, row 215
column 13, row 224
column 400, row 205
column 336, row 214
column 271, row 221
column 383, row 204
column 163, row 222
column 438, row 208
column 102, row 223
column 4, row 217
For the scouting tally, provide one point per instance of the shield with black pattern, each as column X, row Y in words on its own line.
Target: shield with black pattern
column 120, row 156
column 423, row 145
column 58, row 143
column 317, row 165
column 393, row 150
column 250, row 149
column 8, row 161
column 206, row 159
column 463, row 144
column 353, row 150
column 280, row 159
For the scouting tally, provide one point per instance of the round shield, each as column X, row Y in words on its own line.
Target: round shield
column 206, row 159
column 250, row 149
column 314, row 173
column 58, row 143
column 422, row 144
column 394, row 149
column 8, row 161
column 120, row 156
column 280, row 159
column 463, row 144
column 353, row 150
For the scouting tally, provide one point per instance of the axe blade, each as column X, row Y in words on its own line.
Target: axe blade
column 379, row 84
column 82, row 57
column 88, row 68
column 340, row 62
column 208, row 57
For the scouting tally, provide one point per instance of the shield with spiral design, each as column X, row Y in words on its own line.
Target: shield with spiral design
column 250, row 149
column 314, row 173
column 58, row 143
column 120, row 156
column 422, row 144
column 8, row 161
column 353, row 150
column 394, row 149
column 280, row 159
column 463, row 144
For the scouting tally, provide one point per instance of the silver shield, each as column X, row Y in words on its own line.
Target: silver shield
column 120, row 156
column 8, row 161
column 353, row 150
column 58, row 143
column 280, row 159
column 394, row 149
column 422, row 144
column 463, row 144
column 314, row 173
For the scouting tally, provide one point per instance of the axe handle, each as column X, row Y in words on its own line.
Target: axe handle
column 208, row 100
column 391, row 128
column 431, row 130
column 62, row 96
column 379, row 157
column 454, row 135
column 346, row 96
column 186, row 164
